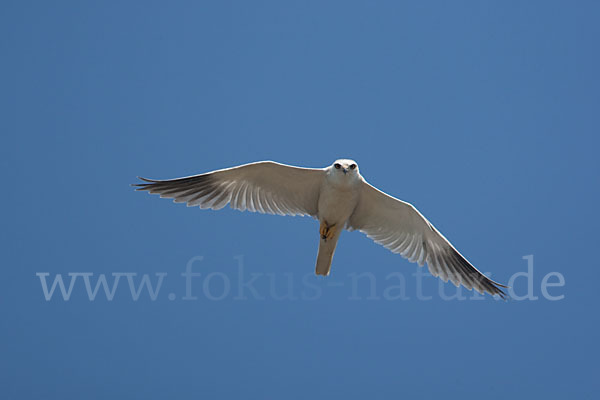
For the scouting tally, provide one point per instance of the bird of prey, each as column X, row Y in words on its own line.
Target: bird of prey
column 339, row 198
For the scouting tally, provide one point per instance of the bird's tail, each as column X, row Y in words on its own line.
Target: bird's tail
column 326, row 250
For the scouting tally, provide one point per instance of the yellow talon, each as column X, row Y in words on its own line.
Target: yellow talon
column 323, row 229
column 327, row 231
column 330, row 234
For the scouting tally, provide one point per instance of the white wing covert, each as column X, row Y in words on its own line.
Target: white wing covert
column 266, row 187
column 399, row 227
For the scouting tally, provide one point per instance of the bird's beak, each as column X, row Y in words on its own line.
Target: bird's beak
column 345, row 170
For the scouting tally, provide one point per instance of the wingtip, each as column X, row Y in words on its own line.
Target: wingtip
column 500, row 293
column 143, row 186
column 146, row 179
column 499, row 284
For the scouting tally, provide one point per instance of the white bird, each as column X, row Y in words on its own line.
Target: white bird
column 340, row 198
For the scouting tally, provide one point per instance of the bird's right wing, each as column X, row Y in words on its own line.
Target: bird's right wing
column 399, row 227
column 266, row 187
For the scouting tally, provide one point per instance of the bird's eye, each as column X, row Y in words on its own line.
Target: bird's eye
column 353, row 166
column 337, row 166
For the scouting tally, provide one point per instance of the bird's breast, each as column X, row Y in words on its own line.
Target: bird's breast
column 336, row 204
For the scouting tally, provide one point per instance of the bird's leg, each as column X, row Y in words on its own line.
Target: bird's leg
column 327, row 231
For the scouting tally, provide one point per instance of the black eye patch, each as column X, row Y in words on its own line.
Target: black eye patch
column 337, row 166
column 353, row 166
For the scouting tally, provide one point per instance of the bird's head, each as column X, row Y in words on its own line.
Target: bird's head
column 344, row 171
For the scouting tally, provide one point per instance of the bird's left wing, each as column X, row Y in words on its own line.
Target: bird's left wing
column 266, row 187
column 399, row 227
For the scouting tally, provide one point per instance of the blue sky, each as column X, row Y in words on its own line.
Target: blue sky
column 482, row 114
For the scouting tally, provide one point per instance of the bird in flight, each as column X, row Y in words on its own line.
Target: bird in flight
column 339, row 198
